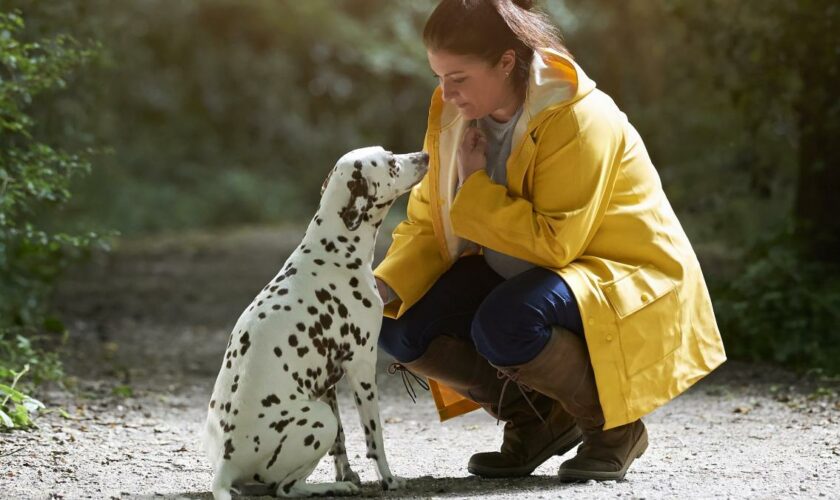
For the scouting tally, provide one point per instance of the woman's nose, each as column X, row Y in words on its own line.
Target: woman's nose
column 448, row 95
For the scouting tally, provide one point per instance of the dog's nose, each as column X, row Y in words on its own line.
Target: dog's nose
column 421, row 158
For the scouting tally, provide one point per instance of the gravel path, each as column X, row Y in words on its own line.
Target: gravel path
column 148, row 327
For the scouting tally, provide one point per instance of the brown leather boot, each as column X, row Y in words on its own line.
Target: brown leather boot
column 530, row 437
column 562, row 370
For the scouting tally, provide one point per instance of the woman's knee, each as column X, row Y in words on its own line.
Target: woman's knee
column 507, row 330
column 395, row 338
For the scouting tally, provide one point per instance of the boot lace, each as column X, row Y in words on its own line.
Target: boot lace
column 405, row 372
column 513, row 376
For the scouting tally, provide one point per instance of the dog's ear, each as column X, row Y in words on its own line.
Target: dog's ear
column 358, row 204
column 326, row 181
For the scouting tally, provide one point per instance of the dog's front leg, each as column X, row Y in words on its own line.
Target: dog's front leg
column 338, row 451
column 363, row 382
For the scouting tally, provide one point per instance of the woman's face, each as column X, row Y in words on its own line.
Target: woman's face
column 475, row 87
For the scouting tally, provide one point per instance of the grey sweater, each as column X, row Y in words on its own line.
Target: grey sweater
column 499, row 143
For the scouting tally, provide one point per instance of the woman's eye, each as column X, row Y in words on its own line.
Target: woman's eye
column 458, row 80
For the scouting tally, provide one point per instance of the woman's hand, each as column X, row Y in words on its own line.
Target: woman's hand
column 383, row 289
column 471, row 154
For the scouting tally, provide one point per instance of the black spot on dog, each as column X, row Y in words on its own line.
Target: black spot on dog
column 319, row 262
column 281, row 424
column 274, row 457
column 228, row 448
column 308, row 440
column 270, row 400
column 317, row 425
column 245, row 340
column 323, row 295
column 326, row 320
column 366, row 386
column 342, row 239
column 354, row 282
column 301, row 327
column 212, row 403
column 278, row 352
column 262, row 315
column 293, row 340
column 302, row 352
column 302, row 422
column 288, row 487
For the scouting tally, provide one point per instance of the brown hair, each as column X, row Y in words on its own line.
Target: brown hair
column 488, row 28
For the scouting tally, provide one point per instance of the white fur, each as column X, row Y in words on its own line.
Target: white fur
column 241, row 436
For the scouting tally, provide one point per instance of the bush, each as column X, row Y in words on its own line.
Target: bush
column 783, row 308
column 34, row 178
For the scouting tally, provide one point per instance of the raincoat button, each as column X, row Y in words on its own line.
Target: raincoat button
column 591, row 321
column 645, row 298
column 609, row 338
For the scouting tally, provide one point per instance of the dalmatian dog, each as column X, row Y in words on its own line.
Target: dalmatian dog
column 273, row 413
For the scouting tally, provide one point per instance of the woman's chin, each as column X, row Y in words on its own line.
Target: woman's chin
column 468, row 113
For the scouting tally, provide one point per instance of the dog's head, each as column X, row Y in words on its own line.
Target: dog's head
column 365, row 182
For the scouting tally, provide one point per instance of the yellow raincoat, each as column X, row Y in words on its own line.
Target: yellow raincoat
column 584, row 200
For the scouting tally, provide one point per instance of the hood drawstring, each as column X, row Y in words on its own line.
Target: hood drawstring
column 409, row 388
column 513, row 376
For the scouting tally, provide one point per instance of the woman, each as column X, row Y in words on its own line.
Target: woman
column 540, row 246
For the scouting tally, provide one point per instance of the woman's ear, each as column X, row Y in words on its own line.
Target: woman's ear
column 508, row 61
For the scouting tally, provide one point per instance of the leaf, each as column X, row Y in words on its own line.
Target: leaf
column 21, row 416
column 13, row 394
column 5, row 420
column 32, row 405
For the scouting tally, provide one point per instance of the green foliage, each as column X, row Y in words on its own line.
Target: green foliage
column 34, row 178
column 16, row 408
column 783, row 308
column 223, row 111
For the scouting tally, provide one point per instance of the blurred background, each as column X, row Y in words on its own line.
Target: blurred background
column 124, row 121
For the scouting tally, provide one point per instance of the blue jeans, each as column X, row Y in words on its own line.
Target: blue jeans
column 508, row 321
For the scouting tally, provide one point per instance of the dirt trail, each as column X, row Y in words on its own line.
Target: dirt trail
column 149, row 325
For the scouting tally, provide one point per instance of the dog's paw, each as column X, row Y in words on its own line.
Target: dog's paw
column 392, row 483
column 348, row 475
column 343, row 488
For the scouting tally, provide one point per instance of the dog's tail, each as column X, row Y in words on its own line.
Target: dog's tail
column 223, row 480
column 206, row 437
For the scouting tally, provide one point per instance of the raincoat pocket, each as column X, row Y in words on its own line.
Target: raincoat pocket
column 647, row 310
